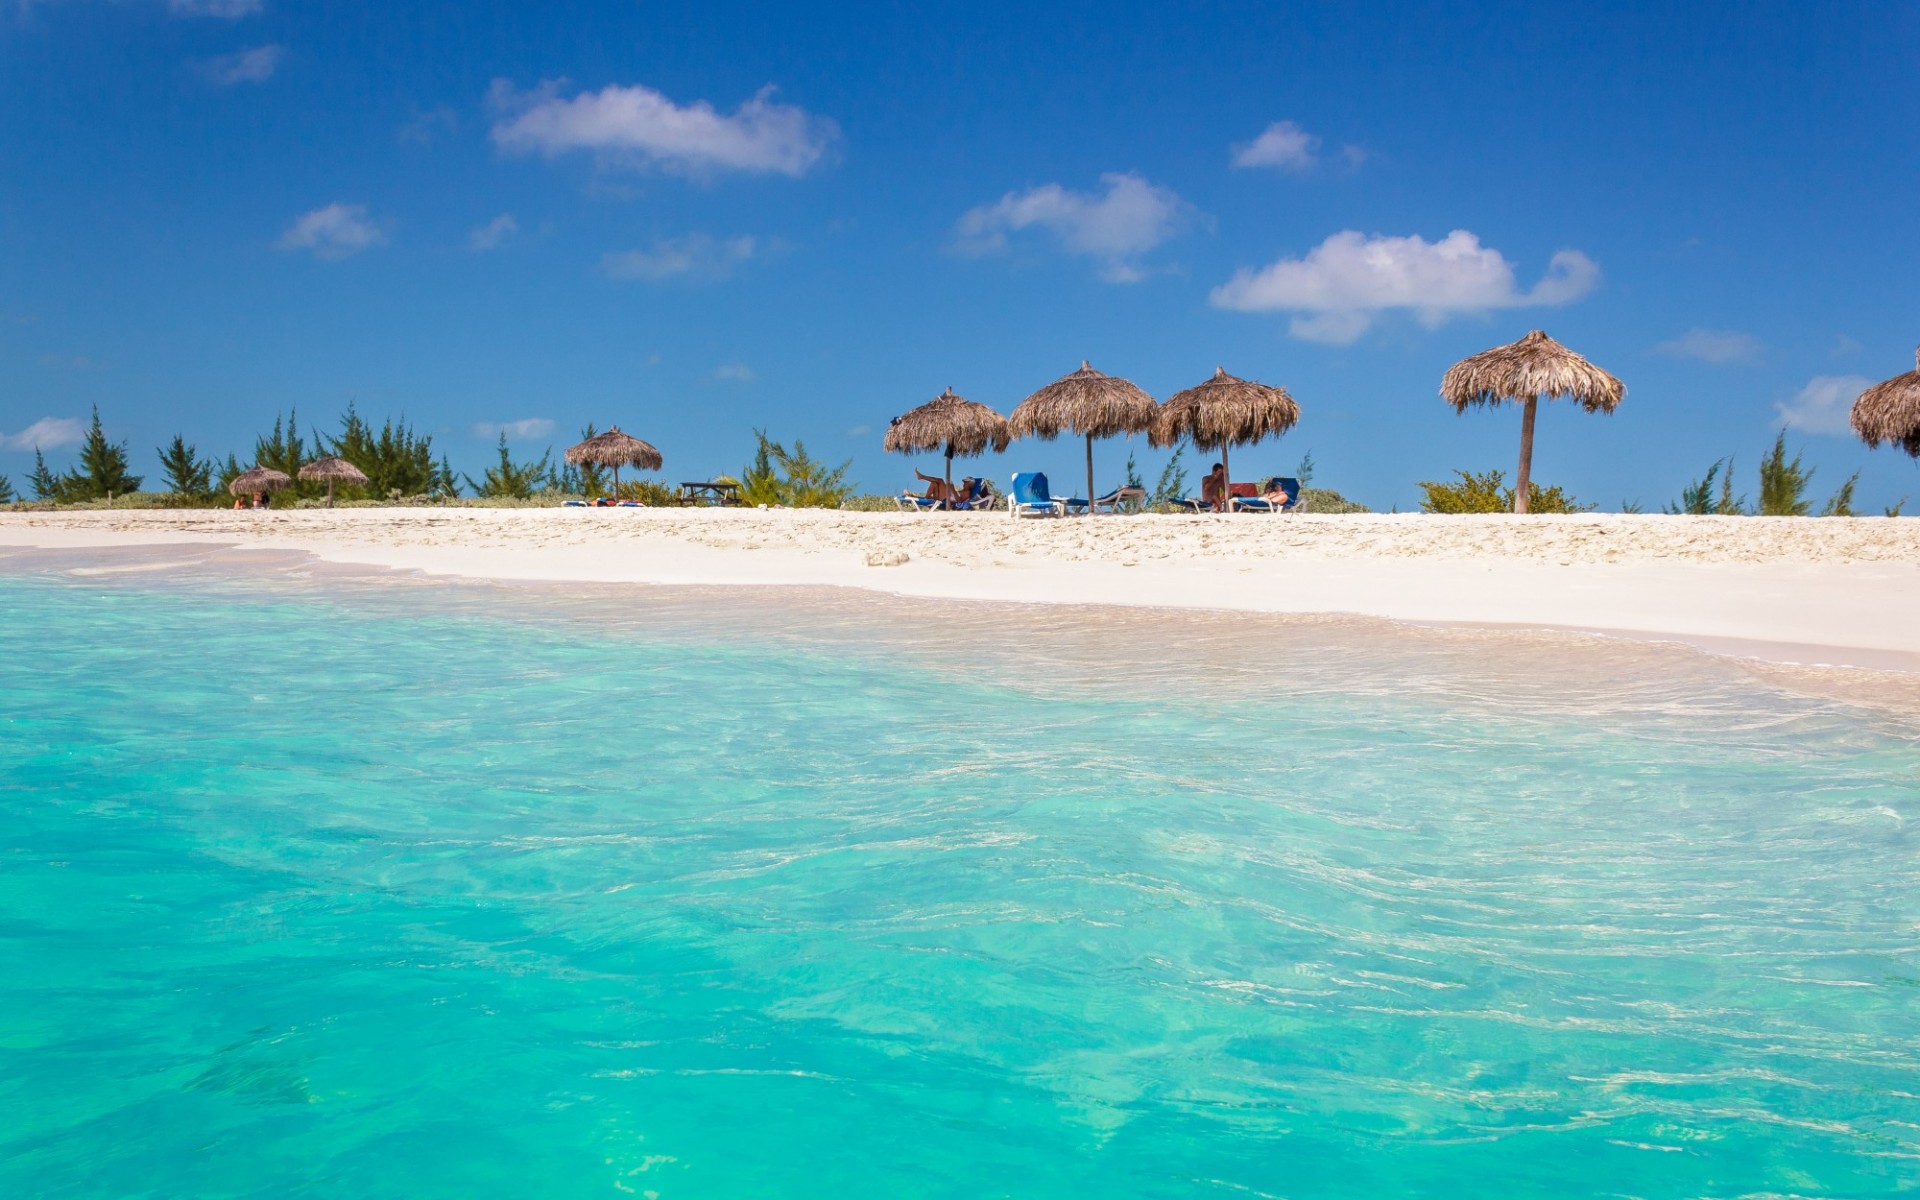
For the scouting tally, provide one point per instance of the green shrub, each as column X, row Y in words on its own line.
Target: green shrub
column 1783, row 484
column 869, row 503
column 1326, row 500
column 1841, row 504
column 1487, row 493
column 799, row 482
column 509, row 479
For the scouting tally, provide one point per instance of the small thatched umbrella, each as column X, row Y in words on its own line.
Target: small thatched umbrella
column 615, row 449
column 260, row 479
column 953, row 423
column 1086, row 403
column 1224, row 411
column 1890, row 412
column 334, row 470
column 1532, row 368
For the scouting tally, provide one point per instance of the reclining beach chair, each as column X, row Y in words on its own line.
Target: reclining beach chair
column 1031, row 497
column 918, row 503
column 980, row 499
column 1256, row 504
column 1112, row 501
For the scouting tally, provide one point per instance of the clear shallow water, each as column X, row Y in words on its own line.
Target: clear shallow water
column 318, row 888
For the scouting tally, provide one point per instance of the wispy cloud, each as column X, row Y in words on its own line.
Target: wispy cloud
column 72, row 362
column 734, row 372
column 1823, row 405
column 529, row 427
column 1341, row 285
column 1115, row 226
column 1285, row 146
column 637, row 127
column 245, row 66
column 490, row 236
column 1718, row 346
column 1846, row 347
column 1282, row 144
column 334, row 232
column 48, row 433
column 426, row 126
column 227, row 10
column 697, row 256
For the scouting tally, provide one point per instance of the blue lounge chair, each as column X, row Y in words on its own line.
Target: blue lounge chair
column 1032, row 498
column 1112, row 501
column 1255, row 504
column 980, row 499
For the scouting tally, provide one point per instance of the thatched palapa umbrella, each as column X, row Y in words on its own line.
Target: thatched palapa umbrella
column 615, row 449
column 260, row 479
column 1086, row 403
column 1533, row 368
column 1890, row 412
column 1224, row 411
column 953, row 423
column 334, row 470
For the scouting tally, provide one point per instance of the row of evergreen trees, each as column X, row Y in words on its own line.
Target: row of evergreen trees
column 397, row 460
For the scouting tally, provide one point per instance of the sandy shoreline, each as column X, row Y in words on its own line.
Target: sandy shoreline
column 1830, row 591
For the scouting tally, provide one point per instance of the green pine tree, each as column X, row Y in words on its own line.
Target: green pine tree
column 1173, row 481
column 508, row 479
column 396, row 459
column 7, row 494
column 189, row 476
column 1783, row 484
column 45, row 484
column 102, row 472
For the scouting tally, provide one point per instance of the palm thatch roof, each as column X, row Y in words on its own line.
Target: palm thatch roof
column 260, row 479
column 334, row 470
column 1890, row 412
column 1534, row 368
column 947, row 423
column 615, row 449
column 1224, row 411
column 1087, row 403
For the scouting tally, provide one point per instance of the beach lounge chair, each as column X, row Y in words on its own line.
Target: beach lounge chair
column 1112, row 501
column 573, row 504
column 1032, row 498
column 1256, row 504
column 980, row 499
column 918, row 503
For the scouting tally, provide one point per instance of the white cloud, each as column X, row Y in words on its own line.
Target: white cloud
column 1116, row 226
column 531, row 427
column 246, row 66
column 1283, row 144
column 227, row 10
column 735, row 372
column 1713, row 346
column 47, row 433
column 427, row 125
column 489, row 236
column 860, row 431
column 638, row 127
column 334, row 232
column 697, row 256
column 1846, row 347
column 1824, row 404
column 1343, row 283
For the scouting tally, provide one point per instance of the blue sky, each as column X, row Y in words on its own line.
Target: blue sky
column 696, row 219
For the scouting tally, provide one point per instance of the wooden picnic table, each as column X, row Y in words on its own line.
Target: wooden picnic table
column 703, row 492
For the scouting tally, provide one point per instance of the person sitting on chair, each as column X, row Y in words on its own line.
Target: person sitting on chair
column 938, row 490
column 1277, row 495
column 1213, row 488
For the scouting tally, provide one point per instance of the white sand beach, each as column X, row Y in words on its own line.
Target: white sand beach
column 1831, row 591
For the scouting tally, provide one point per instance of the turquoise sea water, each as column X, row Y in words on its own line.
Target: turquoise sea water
column 340, row 888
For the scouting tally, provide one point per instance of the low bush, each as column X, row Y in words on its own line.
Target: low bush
column 1487, row 493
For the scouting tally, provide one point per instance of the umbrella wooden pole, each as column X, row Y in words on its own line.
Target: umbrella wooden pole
column 329, row 493
column 1226, row 479
column 949, row 472
column 1090, row 491
column 616, row 481
column 1526, row 456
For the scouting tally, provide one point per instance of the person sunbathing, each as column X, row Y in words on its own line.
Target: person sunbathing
column 938, row 490
column 1277, row 495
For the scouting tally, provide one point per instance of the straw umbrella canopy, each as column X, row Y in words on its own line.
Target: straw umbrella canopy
column 1088, row 404
column 260, row 479
column 615, row 449
column 1890, row 412
column 953, row 423
column 1534, row 368
column 1224, row 411
column 334, row 470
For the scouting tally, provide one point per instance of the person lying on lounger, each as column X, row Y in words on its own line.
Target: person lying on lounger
column 938, row 490
column 1277, row 495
